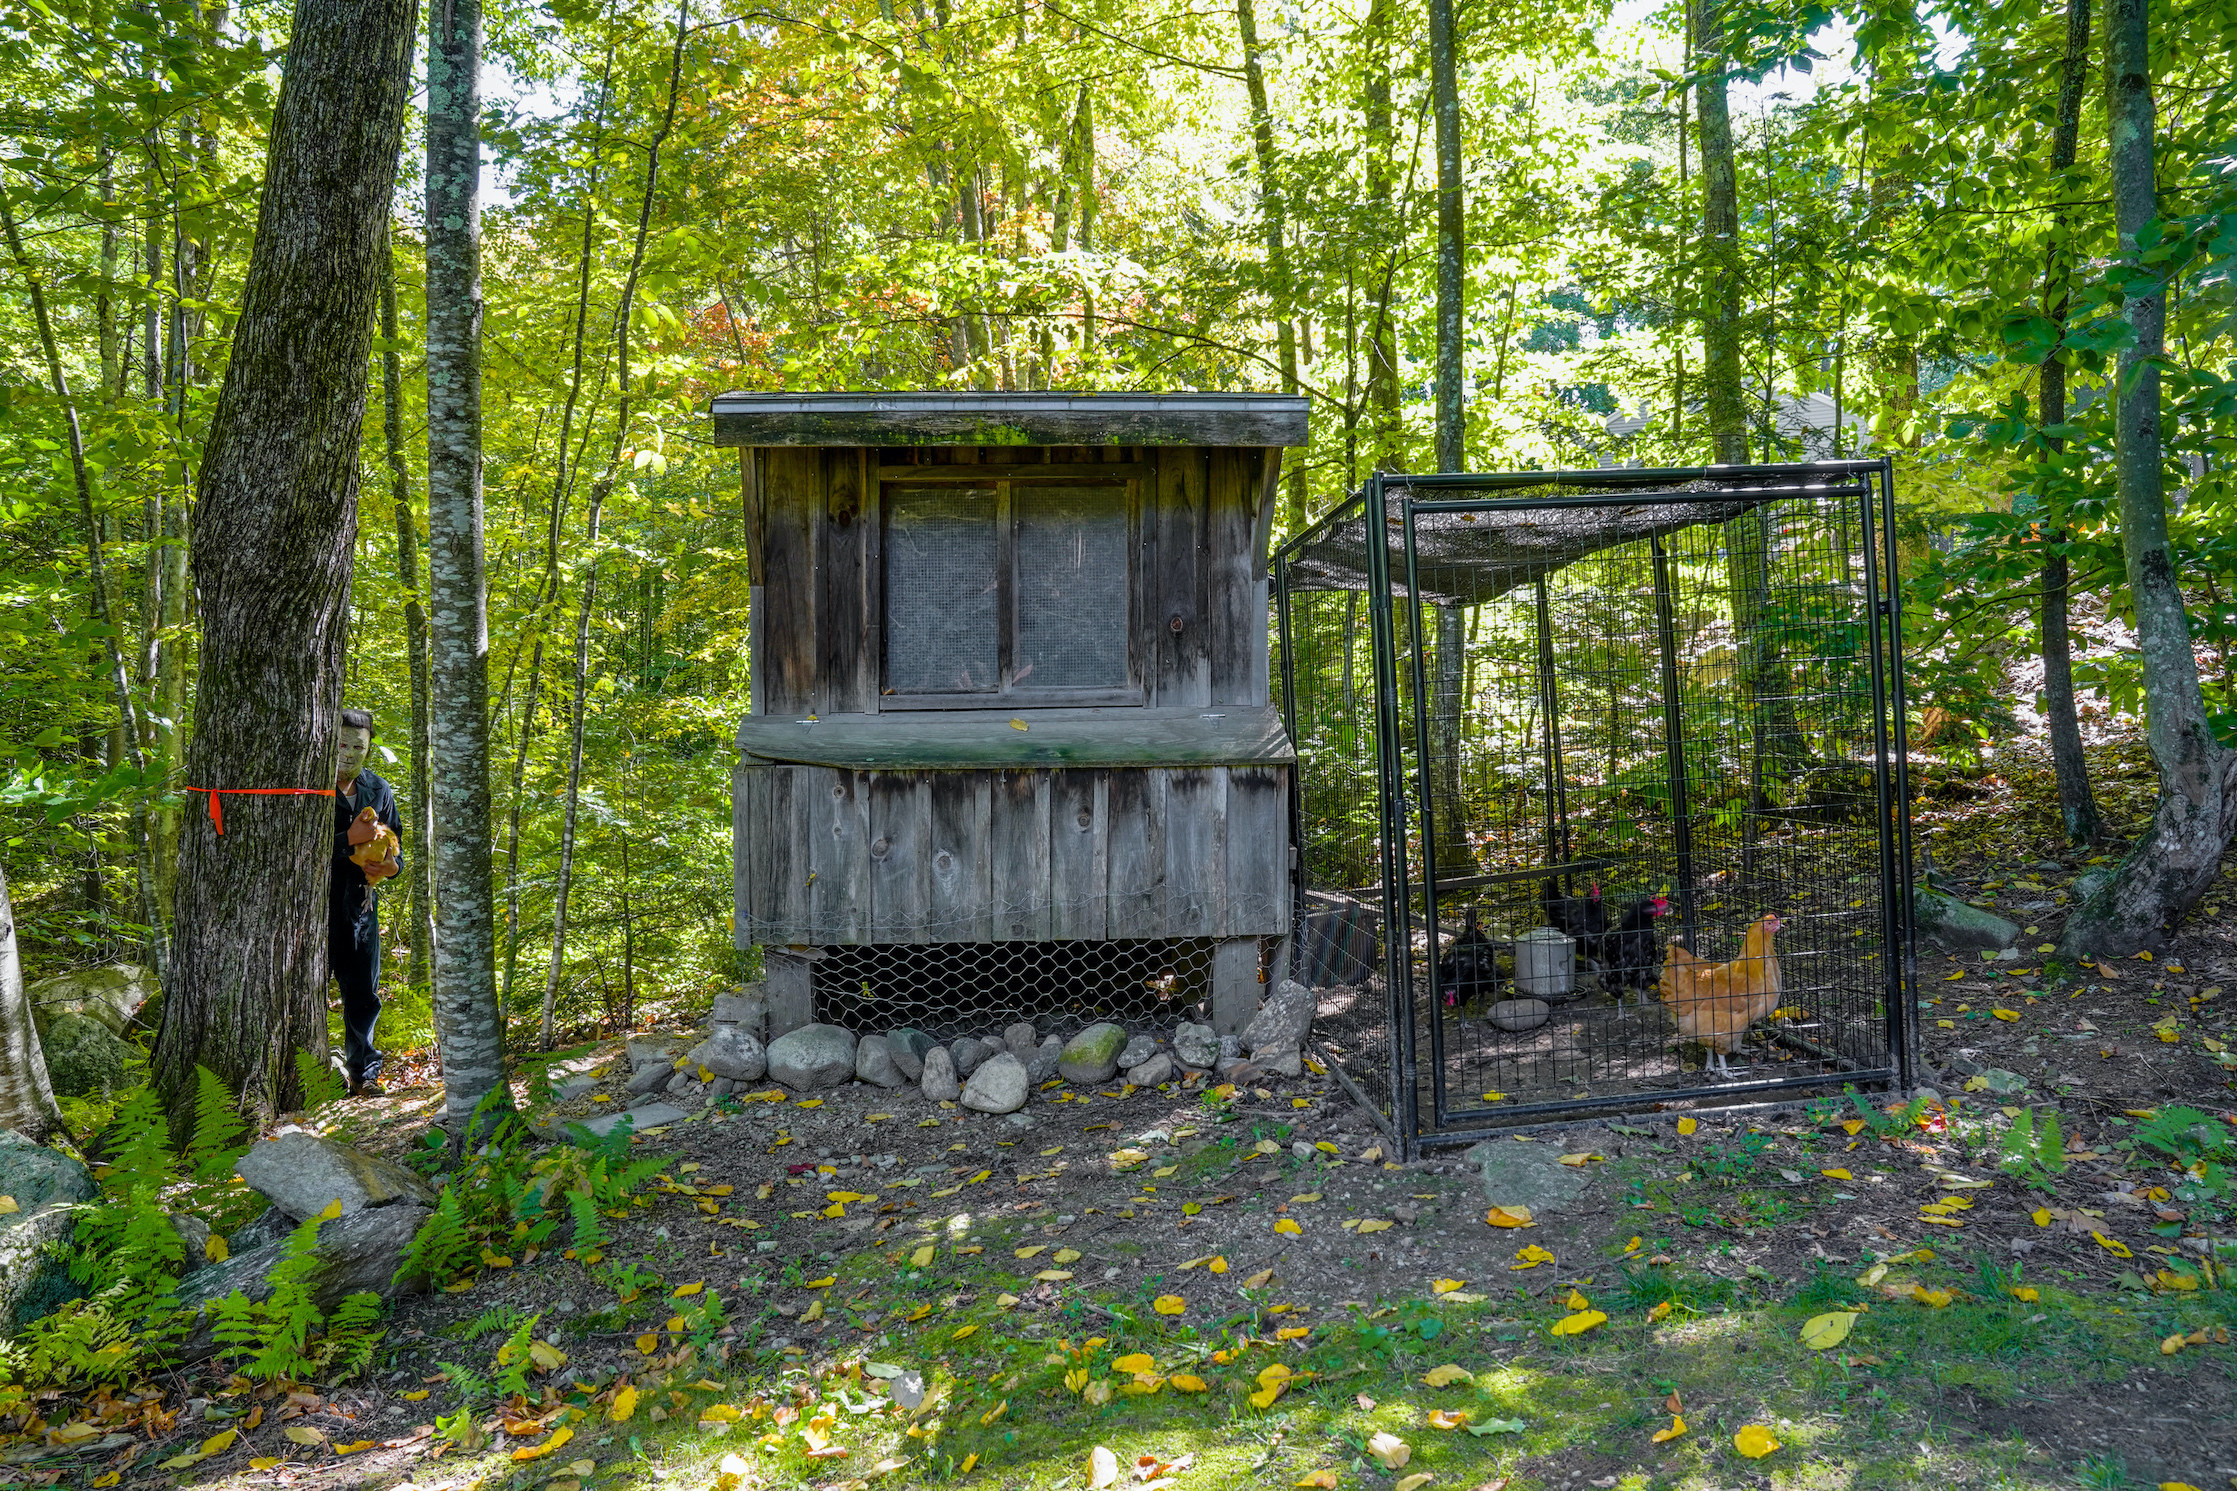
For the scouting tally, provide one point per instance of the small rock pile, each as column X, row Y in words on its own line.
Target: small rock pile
column 990, row 1073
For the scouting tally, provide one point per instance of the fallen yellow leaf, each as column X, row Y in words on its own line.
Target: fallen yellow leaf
column 1824, row 1332
column 1688, row 1125
column 1448, row 1374
column 1530, row 1255
column 1053, row 1275
column 1414, row 1482
column 1188, row 1382
column 1289, row 1228
column 624, row 1404
column 1169, row 1304
column 1754, row 1441
column 418, row 1396
column 1447, row 1418
column 1447, row 1286
column 685, row 1291
column 1260, row 1279
column 1509, row 1216
column 527, row 1452
column 2112, row 1245
column 1578, row 1324
column 1139, row 1361
column 1319, row 1480
column 1677, row 1427
column 1392, row 1451
column 1102, row 1468
column 964, row 1333
column 1836, row 1175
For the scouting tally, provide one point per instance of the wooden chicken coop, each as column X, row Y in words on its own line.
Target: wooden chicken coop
column 1011, row 750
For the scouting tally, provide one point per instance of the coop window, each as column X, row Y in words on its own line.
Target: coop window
column 1014, row 589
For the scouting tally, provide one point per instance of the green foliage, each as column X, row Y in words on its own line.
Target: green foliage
column 218, row 1128
column 2187, row 1135
column 512, row 1363
column 1735, row 1162
column 316, row 1078
column 474, row 1390
column 495, row 1318
column 129, row 1254
column 590, row 1233
column 2034, row 1150
column 441, row 1246
column 83, row 1344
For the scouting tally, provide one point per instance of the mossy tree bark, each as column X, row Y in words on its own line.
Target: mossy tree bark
column 2178, row 856
column 26, row 1097
column 273, row 532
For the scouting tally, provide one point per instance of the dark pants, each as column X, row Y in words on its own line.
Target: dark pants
column 353, row 951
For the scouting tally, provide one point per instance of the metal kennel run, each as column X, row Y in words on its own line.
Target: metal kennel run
column 1545, row 686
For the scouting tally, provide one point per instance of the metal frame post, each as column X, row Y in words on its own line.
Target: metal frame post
column 1398, row 938
column 1558, row 849
column 1674, row 739
column 1424, row 764
column 1877, row 606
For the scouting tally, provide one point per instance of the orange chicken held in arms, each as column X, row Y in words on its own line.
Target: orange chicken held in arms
column 1716, row 1002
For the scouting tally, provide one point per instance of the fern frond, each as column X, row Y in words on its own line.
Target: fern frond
column 218, row 1129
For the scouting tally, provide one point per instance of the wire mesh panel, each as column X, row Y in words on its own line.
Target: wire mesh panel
column 951, row 989
column 1637, row 760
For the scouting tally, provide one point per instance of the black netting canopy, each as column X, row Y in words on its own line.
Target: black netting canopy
column 1465, row 558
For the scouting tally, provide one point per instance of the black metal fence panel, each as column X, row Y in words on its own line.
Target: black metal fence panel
column 1601, row 796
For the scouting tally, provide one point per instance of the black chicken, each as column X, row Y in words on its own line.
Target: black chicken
column 1630, row 957
column 1468, row 973
column 1584, row 918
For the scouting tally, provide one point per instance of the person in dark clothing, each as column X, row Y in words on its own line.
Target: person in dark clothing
column 364, row 807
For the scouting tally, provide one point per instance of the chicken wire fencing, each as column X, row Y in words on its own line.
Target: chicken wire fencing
column 1601, row 796
column 953, row 989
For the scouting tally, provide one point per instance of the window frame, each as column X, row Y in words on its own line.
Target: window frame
column 1003, row 480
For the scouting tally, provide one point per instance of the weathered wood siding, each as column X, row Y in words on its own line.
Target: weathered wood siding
column 828, row 856
column 813, row 526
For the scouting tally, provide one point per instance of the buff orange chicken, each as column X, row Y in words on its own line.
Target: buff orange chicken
column 1715, row 1003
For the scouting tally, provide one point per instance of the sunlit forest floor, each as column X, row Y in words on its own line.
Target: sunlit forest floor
column 1243, row 1289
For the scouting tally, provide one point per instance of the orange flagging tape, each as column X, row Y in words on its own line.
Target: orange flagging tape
column 217, row 814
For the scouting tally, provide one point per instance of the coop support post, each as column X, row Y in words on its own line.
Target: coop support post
column 1397, row 931
column 1235, row 986
column 1674, row 741
column 1557, row 829
column 789, row 983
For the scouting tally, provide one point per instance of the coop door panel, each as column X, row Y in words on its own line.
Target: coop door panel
column 1072, row 587
column 941, row 591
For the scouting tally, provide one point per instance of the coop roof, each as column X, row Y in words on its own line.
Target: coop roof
column 1521, row 528
column 1259, row 419
column 992, row 740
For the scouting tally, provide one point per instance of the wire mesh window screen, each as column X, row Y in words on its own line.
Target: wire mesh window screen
column 1072, row 586
column 941, row 594
column 1639, row 723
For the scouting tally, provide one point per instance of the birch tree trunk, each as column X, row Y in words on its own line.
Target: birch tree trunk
column 274, row 528
column 422, row 816
column 2178, row 856
column 468, row 1027
column 599, row 491
column 1720, row 232
column 26, row 1097
column 2077, row 805
column 1444, row 87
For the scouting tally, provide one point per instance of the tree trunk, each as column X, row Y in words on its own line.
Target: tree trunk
column 26, row 1097
column 1382, row 339
column 598, row 492
column 468, row 1026
column 1273, row 216
column 274, row 529
column 1720, row 233
column 422, row 816
column 1083, row 134
column 1444, row 87
column 2179, row 855
column 2077, row 805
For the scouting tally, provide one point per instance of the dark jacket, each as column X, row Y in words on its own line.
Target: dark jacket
column 353, row 899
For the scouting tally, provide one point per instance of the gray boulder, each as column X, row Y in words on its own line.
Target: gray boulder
column 194, row 1241
column 939, row 1082
column 1138, row 1050
column 1093, row 1054
column 84, row 1056
column 1196, row 1045
column 1520, row 1014
column 109, row 996
column 874, row 1063
column 1042, row 1065
column 1961, row 927
column 271, row 1225
column 1288, row 1061
column 355, row 1253
column 998, row 1086
column 642, row 1117
column 733, row 1051
column 34, row 1267
column 651, row 1078
column 303, row 1173
column 644, row 1050
column 967, row 1054
column 814, row 1056
column 909, row 1046
column 1283, row 1020
column 1021, row 1040
column 747, row 1009
column 1159, row 1068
